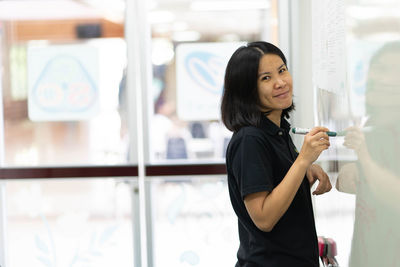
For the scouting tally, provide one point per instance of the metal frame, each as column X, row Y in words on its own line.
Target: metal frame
column 138, row 38
column 284, row 24
column 132, row 71
column 3, row 237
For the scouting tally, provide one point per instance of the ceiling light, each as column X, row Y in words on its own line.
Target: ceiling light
column 180, row 26
column 229, row 5
column 161, row 16
column 186, row 36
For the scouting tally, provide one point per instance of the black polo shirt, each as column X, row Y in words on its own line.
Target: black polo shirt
column 257, row 160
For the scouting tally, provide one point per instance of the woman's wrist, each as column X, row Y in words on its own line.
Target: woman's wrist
column 302, row 162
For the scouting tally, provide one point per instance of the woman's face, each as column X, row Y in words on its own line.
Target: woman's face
column 384, row 82
column 274, row 84
column 382, row 96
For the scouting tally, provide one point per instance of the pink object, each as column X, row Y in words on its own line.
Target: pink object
column 321, row 246
column 332, row 249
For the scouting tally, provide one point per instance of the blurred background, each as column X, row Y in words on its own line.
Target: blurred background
column 112, row 83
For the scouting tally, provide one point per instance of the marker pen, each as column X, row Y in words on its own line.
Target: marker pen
column 297, row 130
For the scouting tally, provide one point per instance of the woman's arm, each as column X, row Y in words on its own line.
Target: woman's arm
column 266, row 208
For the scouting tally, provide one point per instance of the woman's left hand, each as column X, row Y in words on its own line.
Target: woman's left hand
column 314, row 173
column 355, row 139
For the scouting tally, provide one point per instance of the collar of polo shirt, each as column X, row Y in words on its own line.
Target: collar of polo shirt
column 271, row 128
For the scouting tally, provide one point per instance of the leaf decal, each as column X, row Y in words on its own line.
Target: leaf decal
column 107, row 234
column 41, row 245
column 45, row 261
column 190, row 257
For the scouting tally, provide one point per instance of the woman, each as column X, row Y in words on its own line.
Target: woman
column 269, row 181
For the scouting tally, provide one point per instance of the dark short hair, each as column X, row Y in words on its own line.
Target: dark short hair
column 240, row 100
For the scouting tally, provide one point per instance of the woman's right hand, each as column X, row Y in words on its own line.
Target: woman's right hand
column 314, row 143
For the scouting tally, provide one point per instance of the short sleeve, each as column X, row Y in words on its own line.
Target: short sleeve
column 252, row 166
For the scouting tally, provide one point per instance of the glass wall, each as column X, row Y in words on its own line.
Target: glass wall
column 62, row 63
column 69, row 223
column 193, row 222
column 65, row 103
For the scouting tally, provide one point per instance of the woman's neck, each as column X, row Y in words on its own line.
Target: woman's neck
column 275, row 117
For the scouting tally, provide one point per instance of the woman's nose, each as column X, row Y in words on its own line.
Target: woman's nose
column 279, row 83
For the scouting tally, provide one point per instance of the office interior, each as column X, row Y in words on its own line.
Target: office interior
column 110, row 157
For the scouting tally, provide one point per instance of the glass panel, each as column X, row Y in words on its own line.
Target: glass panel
column 193, row 222
column 373, row 52
column 365, row 218
column 62, row 65
column 69, row 223
column 191, row 43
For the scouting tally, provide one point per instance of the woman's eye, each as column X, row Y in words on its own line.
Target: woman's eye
column 265, row 78
column 282, row 70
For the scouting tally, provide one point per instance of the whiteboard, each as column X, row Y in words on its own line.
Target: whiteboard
column 356, row 82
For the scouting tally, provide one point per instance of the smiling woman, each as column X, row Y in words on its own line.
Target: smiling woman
column 269, row 181
column 274, row 85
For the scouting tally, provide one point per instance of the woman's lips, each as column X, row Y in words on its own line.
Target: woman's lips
column 283, row 95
